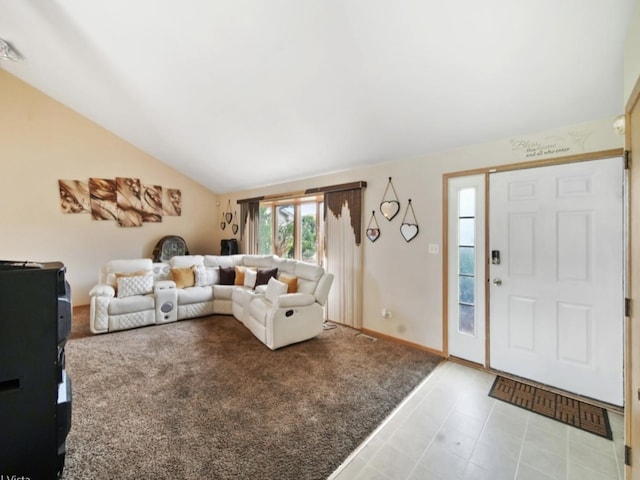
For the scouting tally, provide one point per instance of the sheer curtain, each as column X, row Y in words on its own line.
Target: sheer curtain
column 344, row 254
column 250, row 226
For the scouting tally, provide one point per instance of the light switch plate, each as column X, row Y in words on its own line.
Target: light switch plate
column 434, row 248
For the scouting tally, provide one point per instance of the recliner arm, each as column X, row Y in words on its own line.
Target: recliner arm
column 295, row 300
column 102, row 290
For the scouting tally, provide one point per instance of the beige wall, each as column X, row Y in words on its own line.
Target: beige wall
column 632, row 53
column 402, row 277
column 42, row 141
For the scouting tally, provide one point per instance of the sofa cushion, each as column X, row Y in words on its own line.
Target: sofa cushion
column 223, row 292
column 287, row 265
column 290, row 280
column 218, row 261
column 306, row 286
column 264, row 274
column 309, row 271
column 187, row 296
column 241, row 296
column 136, row 303
column 107, row 273
column 184, row 276
column 181, row 261
column 275, row 288
column 227, row 275
column 129, row 286
column 258, row 261
column 258, row 310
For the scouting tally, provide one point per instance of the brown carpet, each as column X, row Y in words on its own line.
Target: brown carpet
column 553, row 405
column 204, row 399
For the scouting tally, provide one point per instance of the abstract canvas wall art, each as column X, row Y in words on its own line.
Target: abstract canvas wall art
column 151, row 203
column 103, row 195
column 171, row 202
column 74, row 196
column 129, row 203
column 125, row 200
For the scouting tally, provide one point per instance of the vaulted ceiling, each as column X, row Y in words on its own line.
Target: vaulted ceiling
column 244, row 93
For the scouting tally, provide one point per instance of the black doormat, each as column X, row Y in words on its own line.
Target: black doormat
column 553, row 405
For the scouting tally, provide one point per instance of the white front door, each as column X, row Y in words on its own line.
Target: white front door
column 557, row 294
column 466, row 268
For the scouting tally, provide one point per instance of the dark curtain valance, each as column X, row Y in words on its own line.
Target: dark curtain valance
column 250, row 210
column 334, row 201
column 334, row 197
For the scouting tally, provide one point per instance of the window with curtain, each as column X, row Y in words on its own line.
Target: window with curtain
column 321, row 226
column 290, row 228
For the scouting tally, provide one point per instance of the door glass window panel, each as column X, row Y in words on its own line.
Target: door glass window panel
column 467, row 289
column 467, row 202
column 467, row 229
column 466, row 260
column 467, row 319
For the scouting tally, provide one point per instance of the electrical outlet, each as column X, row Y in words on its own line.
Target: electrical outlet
column 434, row 248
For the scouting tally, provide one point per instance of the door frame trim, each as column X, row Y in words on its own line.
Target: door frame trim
column 582, row 157
column 633, row 102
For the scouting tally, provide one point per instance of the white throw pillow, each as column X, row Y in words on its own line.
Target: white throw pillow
column 204, row 276
column 138, row 285
column 275, row 288
column 250, row 277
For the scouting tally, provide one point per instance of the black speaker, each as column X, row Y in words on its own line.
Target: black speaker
column 35, row 392
column 229, row 246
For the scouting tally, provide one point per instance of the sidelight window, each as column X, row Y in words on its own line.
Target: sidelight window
column 466, row 260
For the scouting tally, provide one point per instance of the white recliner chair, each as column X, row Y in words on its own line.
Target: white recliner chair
column 279, row 318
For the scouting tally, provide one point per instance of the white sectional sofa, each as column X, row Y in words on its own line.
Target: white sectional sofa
column 279, row 300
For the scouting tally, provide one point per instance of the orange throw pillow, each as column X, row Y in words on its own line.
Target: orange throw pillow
column 291, row 281
column 239, row 276
column 184, row 277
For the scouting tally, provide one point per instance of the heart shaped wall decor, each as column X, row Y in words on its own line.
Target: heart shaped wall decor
column 409, row 231
column 389, row 208
column 373, row 234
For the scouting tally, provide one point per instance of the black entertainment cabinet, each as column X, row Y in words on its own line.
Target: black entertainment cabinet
column 35, row 391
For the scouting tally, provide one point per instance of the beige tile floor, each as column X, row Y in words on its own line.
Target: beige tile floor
column 449, row 428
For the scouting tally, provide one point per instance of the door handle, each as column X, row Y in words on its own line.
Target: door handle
column 497, row 282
